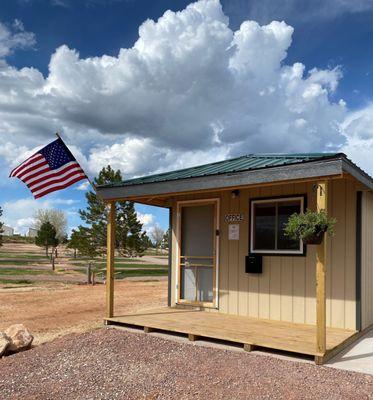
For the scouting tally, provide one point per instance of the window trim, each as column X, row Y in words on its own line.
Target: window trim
column 276, row 199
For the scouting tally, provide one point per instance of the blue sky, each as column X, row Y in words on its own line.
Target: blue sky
column 186, row 93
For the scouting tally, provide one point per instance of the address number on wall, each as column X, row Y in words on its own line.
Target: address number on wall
column 233, row 217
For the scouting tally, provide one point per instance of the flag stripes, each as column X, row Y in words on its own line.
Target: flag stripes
column 51, row 176
column 51, row 168
column 59, row 186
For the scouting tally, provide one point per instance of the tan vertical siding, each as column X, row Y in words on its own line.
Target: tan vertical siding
column 233, row 253
column 253, row 279
column 350, row 255
column 337, row 266
column 367, row 260
column 286, row 288
column 224, row 255
column 299, row 280
column 243, row 282
column 310, row 266
column 273, row 264
column 264, row 278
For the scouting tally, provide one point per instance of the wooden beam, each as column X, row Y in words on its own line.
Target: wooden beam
column 320, row 360
column 192, row 337
column 322, row 204
column 110, row 260
column 143, row 199
column 248, row 347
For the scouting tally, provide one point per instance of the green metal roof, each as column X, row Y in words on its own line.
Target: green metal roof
column 239, row 164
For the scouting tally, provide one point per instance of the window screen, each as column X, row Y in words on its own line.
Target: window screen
column 268, row 222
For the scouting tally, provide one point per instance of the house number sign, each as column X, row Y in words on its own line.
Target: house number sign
column 233, row 217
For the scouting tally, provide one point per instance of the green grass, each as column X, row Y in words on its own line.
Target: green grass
column 125, row 265
column 102, row 261
column 15, row 282
column 120, row 265
column 18, row 239
column 23, row 255
column 19, row 262
column 140, row 272
column 81, row 259
column 15, row 271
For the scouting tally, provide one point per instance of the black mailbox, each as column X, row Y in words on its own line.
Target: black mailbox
column 253, row 264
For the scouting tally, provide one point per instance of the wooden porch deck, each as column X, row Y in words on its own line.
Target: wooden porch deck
column 251, row 332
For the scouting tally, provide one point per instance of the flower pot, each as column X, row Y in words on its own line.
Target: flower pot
column 315, row 238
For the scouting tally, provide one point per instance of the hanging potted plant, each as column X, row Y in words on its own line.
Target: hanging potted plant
column 310, row 226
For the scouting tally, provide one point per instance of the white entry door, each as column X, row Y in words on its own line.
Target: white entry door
column 198, row 250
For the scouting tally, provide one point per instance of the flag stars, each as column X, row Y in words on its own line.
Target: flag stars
column 57, row 154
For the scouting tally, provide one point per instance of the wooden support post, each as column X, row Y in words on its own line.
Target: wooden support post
column 322, row 204
column 110, row 261
column 192, row 337
column 248, row 347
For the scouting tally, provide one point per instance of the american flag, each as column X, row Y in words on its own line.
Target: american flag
column 51, row 168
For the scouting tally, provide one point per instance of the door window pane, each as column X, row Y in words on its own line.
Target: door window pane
column 188, row 283
column 204, row 284
column 264, row 226
column 285, row 210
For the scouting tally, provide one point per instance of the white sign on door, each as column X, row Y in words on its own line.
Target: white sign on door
column 233, row 232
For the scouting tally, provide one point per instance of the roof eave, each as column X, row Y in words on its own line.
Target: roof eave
column 349, row 167
column 291, row 172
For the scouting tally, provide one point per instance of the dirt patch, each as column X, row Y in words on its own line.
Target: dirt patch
column 108, row 364
column 52, row 310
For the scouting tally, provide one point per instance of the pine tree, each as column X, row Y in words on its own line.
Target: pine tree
column 83, row 241
column 74, row 241
column 95, row 215
column 1, row 228
column 46, row 236
column 129, row 238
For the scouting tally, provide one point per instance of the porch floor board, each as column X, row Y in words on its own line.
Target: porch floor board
column 285, row 336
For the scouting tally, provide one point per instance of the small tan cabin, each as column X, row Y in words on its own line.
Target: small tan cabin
column 235, row 276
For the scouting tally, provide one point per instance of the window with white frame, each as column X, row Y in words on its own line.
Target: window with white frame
column 268, row 219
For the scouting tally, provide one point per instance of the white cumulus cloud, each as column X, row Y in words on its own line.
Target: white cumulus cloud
column 147, row 220
column 190, row 90
column 358, row 131
column 14, row 37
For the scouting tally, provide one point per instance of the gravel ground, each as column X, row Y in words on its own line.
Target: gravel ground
column 54, row 309
column 116, row 364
